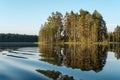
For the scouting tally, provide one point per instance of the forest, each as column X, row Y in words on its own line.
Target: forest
column 77, row 27
column 115, row 36
column 18, row 38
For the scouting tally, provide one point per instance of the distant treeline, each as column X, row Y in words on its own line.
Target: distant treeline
column 77, row 27
column 115, row 35
column 18, row 38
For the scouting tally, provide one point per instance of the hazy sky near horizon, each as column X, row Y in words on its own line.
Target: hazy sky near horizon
column 26, row 16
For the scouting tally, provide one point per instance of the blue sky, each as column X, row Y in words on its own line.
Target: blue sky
column 26, row 16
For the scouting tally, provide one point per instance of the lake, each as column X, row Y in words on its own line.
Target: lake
column 28, row 61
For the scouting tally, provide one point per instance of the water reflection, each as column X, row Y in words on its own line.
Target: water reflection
column 60, row 62
column 12, row 45
column 116, row 49
column 55, row 75
column 92, row 57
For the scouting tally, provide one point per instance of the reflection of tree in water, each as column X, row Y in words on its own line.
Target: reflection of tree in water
column 115, row 48
column 50, row 54
column 55, row 75
column 86, row 58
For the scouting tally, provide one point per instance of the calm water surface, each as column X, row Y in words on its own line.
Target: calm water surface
column 59, row 62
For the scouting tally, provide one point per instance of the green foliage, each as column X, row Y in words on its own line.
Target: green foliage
column 51, row 30
column 115, row 36
column 74, row 27
column 18, row 38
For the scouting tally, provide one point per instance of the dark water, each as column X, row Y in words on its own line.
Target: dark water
column 59, row 62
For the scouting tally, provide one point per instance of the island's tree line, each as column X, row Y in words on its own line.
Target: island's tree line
column 77, row 27
column 74, row 27
column 18, row 38
column 115, row 35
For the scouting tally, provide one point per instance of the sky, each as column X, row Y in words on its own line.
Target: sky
column 26, row 16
